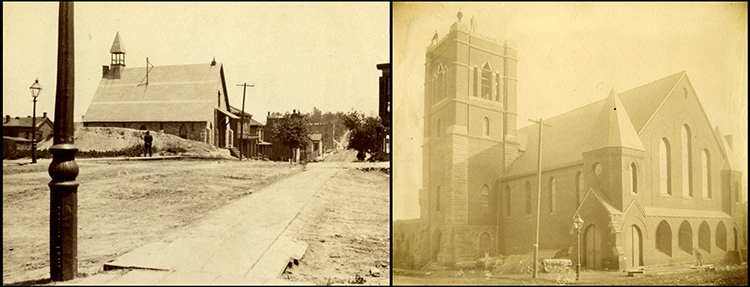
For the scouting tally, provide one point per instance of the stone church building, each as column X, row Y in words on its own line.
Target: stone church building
column 189, row 101
column 653, row 181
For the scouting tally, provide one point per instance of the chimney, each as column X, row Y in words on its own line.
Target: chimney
column 105, row 69
column 44, row 114
column 17, row 117
column 730, row 141
column 269, row 114
column 213, row 62
column 28, row 117
column 7, row 118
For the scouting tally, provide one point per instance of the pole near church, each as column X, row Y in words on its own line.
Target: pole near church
column 63, row 170
column 242, row 116
column 538, row 196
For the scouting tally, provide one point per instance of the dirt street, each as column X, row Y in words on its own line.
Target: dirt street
column 126, row 204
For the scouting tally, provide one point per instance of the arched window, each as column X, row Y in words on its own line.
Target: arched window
column 721, row 236
column 485, row 126
column 687, row 163
column 440, row 84
column 552, row 191
column 665, row 167
column 685, row 240
column 704, row 237
column 498, row 92
column 484, row 199
column 706, row 174
column 579, row 188
column 486, row 81
column 476, row 81
column 664, row 238
column 437, row 199
column 528, row 198
column 507, row 200
column 633, row 178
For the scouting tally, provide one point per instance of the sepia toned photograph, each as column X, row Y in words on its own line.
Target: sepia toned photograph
column 196, row 143
column 569, row 143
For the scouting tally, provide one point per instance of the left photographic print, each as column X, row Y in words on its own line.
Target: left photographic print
column 196, row 143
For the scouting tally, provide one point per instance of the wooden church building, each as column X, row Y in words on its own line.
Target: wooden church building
column 189, row 101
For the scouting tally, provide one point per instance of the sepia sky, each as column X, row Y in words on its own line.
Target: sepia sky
column 572, row 54
column 298, row 55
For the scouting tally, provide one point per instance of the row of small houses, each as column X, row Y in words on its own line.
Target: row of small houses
column 189, row 101
column 17, row 132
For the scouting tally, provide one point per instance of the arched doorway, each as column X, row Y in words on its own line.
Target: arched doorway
column 484, row 243
column 636, row 247
column 589, row 247
column 183, row 131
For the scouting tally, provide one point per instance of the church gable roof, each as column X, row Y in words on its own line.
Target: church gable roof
column 577, row 131
column 173, row 93
column 642, row 102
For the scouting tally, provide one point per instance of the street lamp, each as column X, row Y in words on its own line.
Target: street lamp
column 35, row 89
column 578, row 223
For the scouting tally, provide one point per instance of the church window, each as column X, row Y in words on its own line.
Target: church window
column 486, row 82
column 665, row 166
column 687, row 163
column 484, row 199
column 507, row 200
column 704, row 237
column 485, row 126
column 664, row 238
column 706, row 174
column 633, row 178
column 552, row 191
column 476, row 81
column 437, row 199
column 440, row 84
column 528, row 198
column 721, row 236
column 579, row 187
column 685, row 239
column 498, row 92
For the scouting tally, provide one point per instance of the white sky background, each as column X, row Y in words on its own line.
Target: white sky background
column 572, row 54
column 298, row 55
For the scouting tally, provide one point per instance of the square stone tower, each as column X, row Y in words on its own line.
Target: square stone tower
column 469, row 111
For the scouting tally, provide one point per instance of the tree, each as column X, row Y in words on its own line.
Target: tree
column 366, row 134
column 291, row 130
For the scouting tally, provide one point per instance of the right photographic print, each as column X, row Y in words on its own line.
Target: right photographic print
column 569, row 143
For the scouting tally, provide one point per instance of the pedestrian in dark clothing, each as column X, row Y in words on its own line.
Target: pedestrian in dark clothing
column 148, row 139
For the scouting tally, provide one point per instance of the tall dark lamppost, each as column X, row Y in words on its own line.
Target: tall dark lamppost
column 577, row 224
column 35, row 89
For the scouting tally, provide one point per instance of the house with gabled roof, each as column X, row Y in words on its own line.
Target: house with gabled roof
column 189, row 101
column 654, row 181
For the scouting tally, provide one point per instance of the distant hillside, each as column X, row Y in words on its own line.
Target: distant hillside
column 116, row 139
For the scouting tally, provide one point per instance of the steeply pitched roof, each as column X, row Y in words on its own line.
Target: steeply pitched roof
column 613, row 128
column 174, row 93
column 642, row 102
column 580, row 130
column 117, row 46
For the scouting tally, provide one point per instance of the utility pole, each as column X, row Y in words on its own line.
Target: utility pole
column 63, row 170
column 242, row 115
column 538, row 195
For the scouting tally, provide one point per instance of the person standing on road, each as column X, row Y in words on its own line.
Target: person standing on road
column 148, row 139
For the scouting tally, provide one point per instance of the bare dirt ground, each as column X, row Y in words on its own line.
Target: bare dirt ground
column 724, row 275
column 122, row 205
column 347, row 227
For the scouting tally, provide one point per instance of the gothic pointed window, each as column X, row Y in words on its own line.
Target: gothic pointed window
column 664, row 238
column 706, row 174
column 633, row 178
column 484, row 199
column 486, row 82
column 704, row 237
column 665, row 166
column 687, row 163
